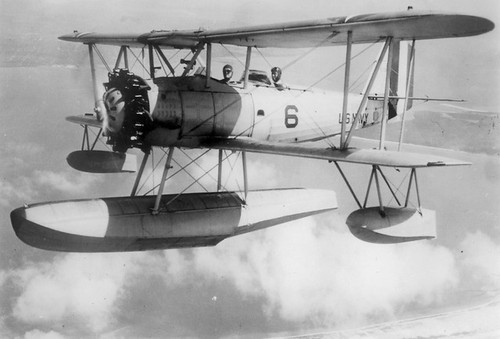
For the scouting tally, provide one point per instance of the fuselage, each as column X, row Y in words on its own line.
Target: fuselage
column 191, row 107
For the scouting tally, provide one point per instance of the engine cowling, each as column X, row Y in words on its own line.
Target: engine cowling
column 127, row 119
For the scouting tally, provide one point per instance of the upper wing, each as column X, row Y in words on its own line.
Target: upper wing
column 353, row 155
column 406, row 25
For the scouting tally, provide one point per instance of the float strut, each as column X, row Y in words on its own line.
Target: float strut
column 139, row 174
column 156, row 208
column 379, row 193
column 245, row 175
column 348, row 184
column 388, row 185
column 219, row 172
column 368, row 189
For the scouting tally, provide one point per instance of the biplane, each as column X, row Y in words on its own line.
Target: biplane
column 252, row 113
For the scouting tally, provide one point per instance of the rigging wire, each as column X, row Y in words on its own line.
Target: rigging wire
column 294, row 97
column 196, row 181
column 98, row 137
column 263, row 57
column 163, row 67
column 233, row 166
column 355, row 82
column 309, row 87
column 187, row 172
column 152, row 174
column 234, row 56
column 312, row 49
column 98, row 52
column 139, row 61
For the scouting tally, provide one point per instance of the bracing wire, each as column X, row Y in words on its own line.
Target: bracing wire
column 139, row 61
column 310, row 86
column 196, row 181
column 163, row 67
column 97, row 135
column 234, row 56
column 98, row 52
column 263, row 57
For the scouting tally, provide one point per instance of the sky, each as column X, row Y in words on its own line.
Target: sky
column 307, row 276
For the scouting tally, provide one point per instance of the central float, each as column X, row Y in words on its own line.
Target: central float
column 187, row 220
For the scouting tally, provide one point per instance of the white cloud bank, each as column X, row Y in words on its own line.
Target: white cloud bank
column 76, row 289
column 66, row 182
column 304, row 271
column 481, row 257
column 310, row 273
column 37, row 334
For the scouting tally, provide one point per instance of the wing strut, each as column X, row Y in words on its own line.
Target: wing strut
column 165, row 60
column 97, row 98
column 367, row 90
column 247, row 66
column 386, row 94
column 122, row 54
column 151, row 62
column 209, row 64
column 196, row 53
column 409, row 75
column 346, row 87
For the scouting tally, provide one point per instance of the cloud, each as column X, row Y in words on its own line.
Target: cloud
column 480, row 256
column 76, row 289
column 21, row 190
column 313, row 273
column 37, row 334
column 65, row 182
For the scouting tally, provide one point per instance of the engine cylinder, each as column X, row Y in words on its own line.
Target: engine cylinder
column 127, row 110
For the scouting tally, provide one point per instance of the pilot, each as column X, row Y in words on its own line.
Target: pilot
column 276, row 76
column 227, row 72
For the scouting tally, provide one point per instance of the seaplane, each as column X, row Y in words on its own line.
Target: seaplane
column 254, row 113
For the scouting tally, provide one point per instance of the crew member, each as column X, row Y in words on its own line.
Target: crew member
column 276, row 76
column 227, row 72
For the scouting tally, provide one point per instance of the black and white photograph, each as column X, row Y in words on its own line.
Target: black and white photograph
column 249, row 169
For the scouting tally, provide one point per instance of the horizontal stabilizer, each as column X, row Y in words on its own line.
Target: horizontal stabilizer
column 394, row 225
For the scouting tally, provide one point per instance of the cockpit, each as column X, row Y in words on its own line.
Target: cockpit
column 257, row 77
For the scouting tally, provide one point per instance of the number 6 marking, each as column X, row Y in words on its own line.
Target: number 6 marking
column 291, row 119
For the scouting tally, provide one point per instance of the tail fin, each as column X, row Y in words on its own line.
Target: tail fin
column 401, row 66
column 409, row 73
